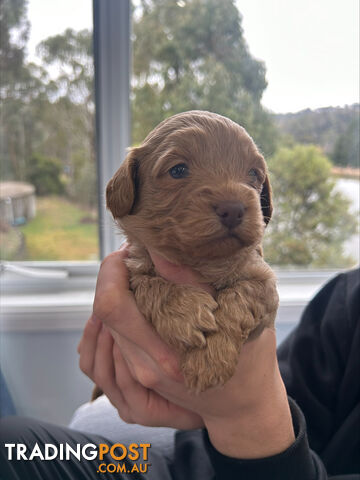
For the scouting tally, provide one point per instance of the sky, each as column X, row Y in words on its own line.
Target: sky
column 310, row 47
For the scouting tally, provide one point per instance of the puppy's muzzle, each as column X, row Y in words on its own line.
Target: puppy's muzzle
column 230, row 213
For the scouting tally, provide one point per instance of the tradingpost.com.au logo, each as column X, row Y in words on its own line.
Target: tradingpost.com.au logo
column 115, row 462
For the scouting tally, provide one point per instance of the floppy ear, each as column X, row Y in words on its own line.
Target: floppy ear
column 121, row 189
column 266, row 200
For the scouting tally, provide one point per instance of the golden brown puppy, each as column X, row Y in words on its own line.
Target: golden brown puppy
column 197, row 192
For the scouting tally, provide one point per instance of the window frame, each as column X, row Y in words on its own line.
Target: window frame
column 111, row 37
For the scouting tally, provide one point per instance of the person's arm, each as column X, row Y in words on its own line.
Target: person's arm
column 248, row 421
column 297, row 462
column 319, row 362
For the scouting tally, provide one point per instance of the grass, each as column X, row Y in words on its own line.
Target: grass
column 11, row 245
column 56, row 233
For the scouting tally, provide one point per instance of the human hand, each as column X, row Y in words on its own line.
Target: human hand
column 125, row 371
column 139, row 373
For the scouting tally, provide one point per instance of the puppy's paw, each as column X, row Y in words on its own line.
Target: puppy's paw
column 248, row 307
column 187, row 318
column 210, row 366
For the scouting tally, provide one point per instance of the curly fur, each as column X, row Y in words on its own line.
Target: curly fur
column 177, row 218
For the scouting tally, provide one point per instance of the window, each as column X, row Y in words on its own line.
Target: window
column 51, row 191
column 196, row 54
column 48, row 191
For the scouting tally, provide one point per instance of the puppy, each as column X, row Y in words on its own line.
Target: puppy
column 197, row 192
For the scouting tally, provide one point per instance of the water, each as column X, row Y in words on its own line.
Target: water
column 351, row 188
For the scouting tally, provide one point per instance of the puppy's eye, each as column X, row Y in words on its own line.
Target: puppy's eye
column 179, row 171
column 253, row 174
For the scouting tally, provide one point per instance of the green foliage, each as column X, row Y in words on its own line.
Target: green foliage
column 45, row 174
column 347, row 149
column 70, row 113
column 334, row 129
column 71, row 54
column 83, row 186
column 311, row 219
column 14, row 32
column 193, row 55
column 54, row 118
column 20, row 85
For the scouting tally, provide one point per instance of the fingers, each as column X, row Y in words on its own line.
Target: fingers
column 102, row 360
column 115, row 305
column 112, row 283
column 103, row 369
column 153, row 352
column 87, row 345
column 135, row 394
column 180, row 274
column 144, row 406
column 128, row 375
column 96, row 361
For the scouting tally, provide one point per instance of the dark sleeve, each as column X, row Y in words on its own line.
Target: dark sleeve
column 320, row 365
column 298, row 462
column 319, row 362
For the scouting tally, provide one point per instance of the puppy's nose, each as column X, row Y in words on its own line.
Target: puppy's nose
column 230, row 214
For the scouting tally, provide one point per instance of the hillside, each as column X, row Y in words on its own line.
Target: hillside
column 334, row 129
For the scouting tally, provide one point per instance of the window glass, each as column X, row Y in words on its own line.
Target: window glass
column 198, row 54
column 48, row 196
column 188, row 54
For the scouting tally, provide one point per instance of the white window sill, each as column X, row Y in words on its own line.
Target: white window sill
column 66, row 304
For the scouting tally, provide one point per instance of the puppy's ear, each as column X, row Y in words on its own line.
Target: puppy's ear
column 266, row 200
column 121, row 189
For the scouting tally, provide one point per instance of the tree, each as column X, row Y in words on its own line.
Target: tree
column 45, row 174
column 14, row 32
column 71, row 54
column 69, row 116
column 334, row 129
column 347, row 147
column 311, row 219
column 22, row 91
column 192, row 55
